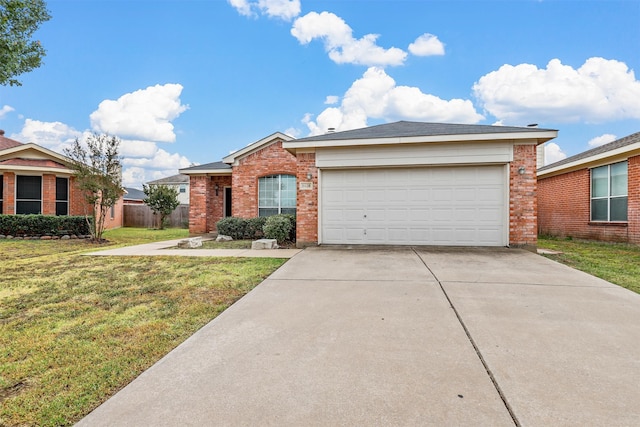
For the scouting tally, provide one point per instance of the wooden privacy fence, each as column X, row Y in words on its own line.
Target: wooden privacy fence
column 142, row 216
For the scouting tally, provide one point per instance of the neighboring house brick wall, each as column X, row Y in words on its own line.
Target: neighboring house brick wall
column 307, row 201
column 271, row 160
column 564, row 207
column 48, row 194
column 523, row 227
column 76, row 199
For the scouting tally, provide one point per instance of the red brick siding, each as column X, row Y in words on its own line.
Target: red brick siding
column 9, row 196
column 48, row 194
column 271, row 160
column 307, row 201
column 564, row 207
column 522, row 197
column 76, row 199
column 216, row 202
column 205, row 207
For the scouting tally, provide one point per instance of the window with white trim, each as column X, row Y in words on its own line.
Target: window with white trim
column 28, row 194
column 277, row 195
column 609, row 193
column 62, row 196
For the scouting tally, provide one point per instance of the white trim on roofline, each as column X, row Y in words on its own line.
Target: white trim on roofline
column 537, row 138
column 600, row 159
column 231, row 158
column 36, row 147
column 45, row 169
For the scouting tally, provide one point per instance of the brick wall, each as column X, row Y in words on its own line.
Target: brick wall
column 199, row 187
column 307, row 201
column 9, row 197
column 271, row 160
column 523, row 228
column 564, row 207
column 76, row 199
column 216, row 202
column 48, row 194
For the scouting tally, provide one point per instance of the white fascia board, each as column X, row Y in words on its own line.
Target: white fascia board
column 231, row 158
column 613, row 156
column 537, row 137
column 37, row 169
column 205, row 172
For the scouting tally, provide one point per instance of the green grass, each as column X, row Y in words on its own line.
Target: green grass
column 615, row 262
column 75, row 329
column 233, row 244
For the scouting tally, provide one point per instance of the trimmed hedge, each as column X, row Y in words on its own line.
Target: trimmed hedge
column 43, row 225
column 281, row 227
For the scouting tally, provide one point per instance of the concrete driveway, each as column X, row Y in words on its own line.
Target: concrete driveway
column 425, row 336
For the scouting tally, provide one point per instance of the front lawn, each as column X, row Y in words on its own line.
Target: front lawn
column 74, row 329
column 614, row 262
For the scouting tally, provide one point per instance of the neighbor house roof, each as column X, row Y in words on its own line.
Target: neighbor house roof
column 174, row 179
column 414, row 132
column 211, row 168
column 133, row 194
column 45, row 163
column 617, row 150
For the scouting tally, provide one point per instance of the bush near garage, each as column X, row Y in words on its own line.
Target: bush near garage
column 278, row 227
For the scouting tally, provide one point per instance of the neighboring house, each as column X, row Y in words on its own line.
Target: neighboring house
column 403, row 183
column 133, row 196
column 179, row 182
column 593, row 195
column 35, row 180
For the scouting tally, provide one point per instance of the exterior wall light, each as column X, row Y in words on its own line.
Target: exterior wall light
column 521, row 170
column 217, row 188
column 309, row 176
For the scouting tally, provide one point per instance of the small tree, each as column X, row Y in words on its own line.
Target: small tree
column 98, row 176
column 19, row 54
column 162, row 200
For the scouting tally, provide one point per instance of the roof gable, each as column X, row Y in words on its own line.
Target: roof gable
column 255, row 146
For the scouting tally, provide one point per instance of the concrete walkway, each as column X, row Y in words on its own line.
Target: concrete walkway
column 403, row 337
column 169, row 248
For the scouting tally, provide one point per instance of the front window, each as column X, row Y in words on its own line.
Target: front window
column 62, row 196
column 28, row 195
column 609, row 193
column 277, row 195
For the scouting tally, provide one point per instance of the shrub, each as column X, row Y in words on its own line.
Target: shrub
column 254, row 227
column 232, row 226
column 292, row 220
column 277, row 227
column 42, row 225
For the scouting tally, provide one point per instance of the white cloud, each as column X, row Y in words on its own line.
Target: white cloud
column 134, row 177
column 427, row 45
column 55, row 136
column 145, row 114
column 137, row 149
column 600, row 90
column 553, row 153
column 293, row 132
column 340, row 43
column 331, row 99
column 6, row 109
column 601, row 140
column 160, row 160
column 377, row 96
column 283, row 9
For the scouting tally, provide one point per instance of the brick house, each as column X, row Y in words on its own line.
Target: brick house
column 593, row 195
column 402, row 183
column 35, row 180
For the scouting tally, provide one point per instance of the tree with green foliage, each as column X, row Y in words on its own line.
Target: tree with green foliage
column 162, row 200
column 19, row 54
column 98, row 175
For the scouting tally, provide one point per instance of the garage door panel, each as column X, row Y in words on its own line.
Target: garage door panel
column 418, row 206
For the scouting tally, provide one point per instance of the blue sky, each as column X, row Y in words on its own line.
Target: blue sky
column 187, row 82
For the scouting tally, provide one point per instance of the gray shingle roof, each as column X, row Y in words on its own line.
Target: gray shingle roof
column 409, row 129
column 173, row 179
column 134, row 194
column 619, row 143
column 208, row 166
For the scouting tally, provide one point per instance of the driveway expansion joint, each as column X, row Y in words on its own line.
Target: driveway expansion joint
column 473, row 344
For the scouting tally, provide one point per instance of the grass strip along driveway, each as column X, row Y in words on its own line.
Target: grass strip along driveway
column 75, row 329
column 614, row 262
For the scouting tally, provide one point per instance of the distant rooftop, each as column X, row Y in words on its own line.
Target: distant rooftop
column 134, row 194
column 173, row 179
column 208, row 166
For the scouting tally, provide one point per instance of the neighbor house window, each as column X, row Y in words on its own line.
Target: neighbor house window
column 28, row 194
column 609, row 193
column 62, row 196
column 183, row 188
column 277, row 194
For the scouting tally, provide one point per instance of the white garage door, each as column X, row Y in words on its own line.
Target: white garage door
column 451, row 206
